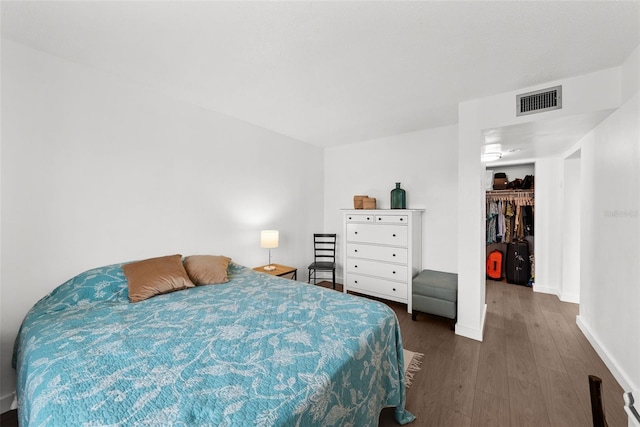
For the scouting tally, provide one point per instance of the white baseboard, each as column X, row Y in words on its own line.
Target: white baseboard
column 546, row 290
column 572, row 298
column 473, row 333
column 623, row 379
column 564, row 297
column 6, row 402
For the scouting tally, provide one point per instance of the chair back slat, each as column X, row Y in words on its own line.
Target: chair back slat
column 324, row 247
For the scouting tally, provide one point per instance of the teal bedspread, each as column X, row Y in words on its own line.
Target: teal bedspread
column 256, row 351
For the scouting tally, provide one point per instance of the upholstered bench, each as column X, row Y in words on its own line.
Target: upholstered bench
column 435, row 292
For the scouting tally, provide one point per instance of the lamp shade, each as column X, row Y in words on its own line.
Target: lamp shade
column 269, row 239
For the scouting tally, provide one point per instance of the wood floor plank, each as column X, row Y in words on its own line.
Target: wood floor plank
column 563, row 336
column 521, row 362
column 548, row 302
column 490, row 410
column 458, row 388
column 561, row 399
column 445, row 416
column 427, row 383
column 526, row 404
column 495, row 307
column 530, row 310
column 578, row 373
column 543, row 347
column 492, row 364
column 511, row 304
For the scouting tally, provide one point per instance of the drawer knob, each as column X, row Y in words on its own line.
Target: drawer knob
column 394, row 235
column 379, row 218
column 367, row 218
column 393, row 272
column 355, row 266
column 393, row 254
column 355, row 281
column 349, row 217
column 355, row 232
column 401, row 219
column 355, row 250
column 394, row 289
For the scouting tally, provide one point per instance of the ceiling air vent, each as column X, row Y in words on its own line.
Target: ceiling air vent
column 539, row 101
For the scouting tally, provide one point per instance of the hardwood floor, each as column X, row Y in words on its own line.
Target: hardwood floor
column 531, row 369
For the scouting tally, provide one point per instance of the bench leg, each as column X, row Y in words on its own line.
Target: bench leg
column 414, row 316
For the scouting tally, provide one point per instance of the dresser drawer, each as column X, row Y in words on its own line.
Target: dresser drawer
column 379, row 253
column 391, row 219
column 378, row 269
column 396, row 235
column 360, row 218
column 377, row 287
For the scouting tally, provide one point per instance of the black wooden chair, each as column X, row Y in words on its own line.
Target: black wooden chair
column 597, row 404
column 324, row 257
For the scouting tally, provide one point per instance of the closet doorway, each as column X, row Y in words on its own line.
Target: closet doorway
column 510, row 224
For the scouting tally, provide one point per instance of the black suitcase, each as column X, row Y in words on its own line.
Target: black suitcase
column 518, row 265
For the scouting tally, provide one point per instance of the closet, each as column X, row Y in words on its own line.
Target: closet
column 510, row 224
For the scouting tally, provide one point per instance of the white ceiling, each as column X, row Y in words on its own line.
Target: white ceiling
column 541, row 138
column 331, row 73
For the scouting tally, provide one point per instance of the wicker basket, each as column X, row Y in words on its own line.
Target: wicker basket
column 357, row 201
column 369, row 203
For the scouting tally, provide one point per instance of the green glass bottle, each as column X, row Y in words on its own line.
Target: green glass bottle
column 398, row 198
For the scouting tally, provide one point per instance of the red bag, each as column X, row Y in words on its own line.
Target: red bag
column 494, row 265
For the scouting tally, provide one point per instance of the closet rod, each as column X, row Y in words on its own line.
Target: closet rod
column 510, row 192
column 525, row 197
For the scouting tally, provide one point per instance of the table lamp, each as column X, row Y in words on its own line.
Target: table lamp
column 269, row 240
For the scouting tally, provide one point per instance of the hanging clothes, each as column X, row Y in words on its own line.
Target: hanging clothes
column 520, row 230
column 510, row 215
column 509, row 222
column 528, row 220
column 492, row 217
column 501, row 222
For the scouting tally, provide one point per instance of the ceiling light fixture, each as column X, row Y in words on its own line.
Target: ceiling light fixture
column 491, row 156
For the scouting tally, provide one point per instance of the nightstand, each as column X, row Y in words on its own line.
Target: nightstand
column 281, row 271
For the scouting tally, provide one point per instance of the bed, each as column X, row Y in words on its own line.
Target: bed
column 258, row 350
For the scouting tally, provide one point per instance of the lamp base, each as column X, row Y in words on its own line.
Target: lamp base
column 269, row 267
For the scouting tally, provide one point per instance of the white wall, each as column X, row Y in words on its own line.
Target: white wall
column 425, row 163
column 471, row 222
column 610, row 231
column 548, row 226
column 571, row 229
column 98, row 170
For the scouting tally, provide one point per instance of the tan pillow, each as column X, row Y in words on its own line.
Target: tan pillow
column 156, row 276
column 207, row 269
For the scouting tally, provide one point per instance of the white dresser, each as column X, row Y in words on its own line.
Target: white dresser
column 382, row 252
